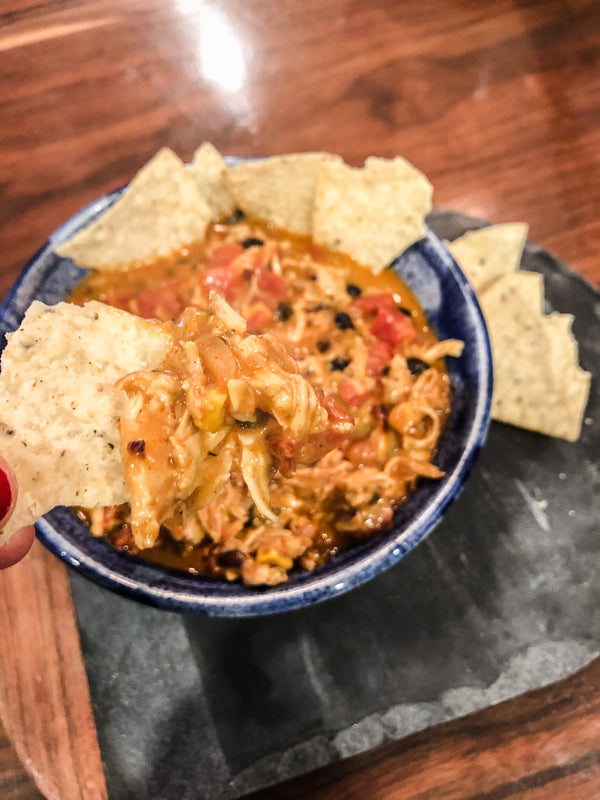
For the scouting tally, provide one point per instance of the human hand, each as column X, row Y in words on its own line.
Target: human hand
column 21, row 541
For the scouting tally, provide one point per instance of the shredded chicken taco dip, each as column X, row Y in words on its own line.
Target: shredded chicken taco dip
column 268, row 400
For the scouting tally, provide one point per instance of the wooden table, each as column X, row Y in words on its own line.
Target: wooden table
column 498, row 102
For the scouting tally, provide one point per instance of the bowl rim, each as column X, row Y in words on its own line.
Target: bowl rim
column 156, row 590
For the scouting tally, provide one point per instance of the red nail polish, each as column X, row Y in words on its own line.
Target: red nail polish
column 5, row 495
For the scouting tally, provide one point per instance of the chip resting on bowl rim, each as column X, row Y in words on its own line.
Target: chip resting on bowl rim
column 160, row 211
column 372, row 213
column 209, row 171
column 280, row 189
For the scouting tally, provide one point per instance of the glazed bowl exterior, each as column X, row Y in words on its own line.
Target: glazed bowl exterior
column 453, row 311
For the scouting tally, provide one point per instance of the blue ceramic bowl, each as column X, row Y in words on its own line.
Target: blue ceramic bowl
column 452, row 308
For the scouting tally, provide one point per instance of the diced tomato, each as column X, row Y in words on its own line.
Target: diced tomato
column 225, row 277
column 379, row 355
column 224, row 255
column 220, row 275
column 119, row 299
column 393, row 327
column 282, row 447
column 220, row 280
column 389, row 325
column 284, row 453
column 259, row 317
column 374, row 302
column 335, row 412
column 165, row 301
column 272, row 285
column 352, row 392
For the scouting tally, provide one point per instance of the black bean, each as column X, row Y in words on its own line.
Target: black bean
column 137, row 447
column 343, row 321
column 380, row 414
column 353, row 290
column 406, row 311
column 237, row 216
column 231, row 558
column 122, row 538
column 323, row 345
column 284, row 311
column 339, row 364
column 417, row 365
column 213, row 567
column 252, row 241
column 260, row 419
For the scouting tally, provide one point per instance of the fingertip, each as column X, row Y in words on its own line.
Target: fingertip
column 17, row 546
column 20, row 542
column 8, row 491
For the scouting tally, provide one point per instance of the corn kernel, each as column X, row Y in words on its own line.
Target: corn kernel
column 267, row 555
column 402, row 417
column 212, row 414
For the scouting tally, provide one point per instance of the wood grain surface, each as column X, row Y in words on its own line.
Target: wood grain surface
column 44, row 696
column 484, row 755
column 498, row 102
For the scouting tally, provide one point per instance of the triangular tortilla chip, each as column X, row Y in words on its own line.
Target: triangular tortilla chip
column 161, row 211
column 526, row 287
column 280, row 189
column 488, row 253
column 59, row 410
column 538, row 384
column 208, row 170
column 373, row 214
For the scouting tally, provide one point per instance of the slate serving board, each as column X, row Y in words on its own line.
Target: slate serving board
column 503, row 597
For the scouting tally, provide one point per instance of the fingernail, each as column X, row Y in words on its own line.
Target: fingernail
column 5, row 495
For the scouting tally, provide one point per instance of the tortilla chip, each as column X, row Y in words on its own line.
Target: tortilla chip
column 373, row 214
column 538, row 383
column 488, row 253
column 527, row 287
column 208, row 170
column 161, row 211
column 564, row 344
column 280, row 189
column 59, row 410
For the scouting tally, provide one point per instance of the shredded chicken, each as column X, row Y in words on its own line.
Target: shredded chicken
column 251, row 453
column 185, row 429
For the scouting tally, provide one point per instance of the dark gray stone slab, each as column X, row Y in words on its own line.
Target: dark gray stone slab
column 503, row 597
